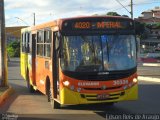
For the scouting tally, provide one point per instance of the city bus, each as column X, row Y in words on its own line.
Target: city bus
column 81, row 60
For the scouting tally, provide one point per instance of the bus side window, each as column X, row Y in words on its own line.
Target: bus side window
column 28, row 43
column 47, row 43
column 26, row 34
column 40, row 39
column 22, row 41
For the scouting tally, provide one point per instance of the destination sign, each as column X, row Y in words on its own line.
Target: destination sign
column 96, row 24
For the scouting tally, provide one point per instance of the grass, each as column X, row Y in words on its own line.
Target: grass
column 2, row 89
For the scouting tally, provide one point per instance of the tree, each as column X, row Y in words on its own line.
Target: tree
column 113, row 14
column 13, row 49
column 125, row 16
column 140, row 28
column 158, row 25
column 3, row 53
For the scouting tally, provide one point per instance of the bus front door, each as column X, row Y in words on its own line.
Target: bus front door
column 55, row 66
column 34, row 59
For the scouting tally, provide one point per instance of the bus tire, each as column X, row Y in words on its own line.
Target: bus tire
column 48, row 92
column 54, row 104
column 29, row 86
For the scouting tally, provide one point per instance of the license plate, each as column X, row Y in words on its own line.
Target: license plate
column 102, row 96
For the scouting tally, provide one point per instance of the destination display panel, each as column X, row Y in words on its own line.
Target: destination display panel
column 97, row 24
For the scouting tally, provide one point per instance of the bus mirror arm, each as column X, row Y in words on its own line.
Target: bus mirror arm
column 60, row 53
column 59, row 48
column 58, row 40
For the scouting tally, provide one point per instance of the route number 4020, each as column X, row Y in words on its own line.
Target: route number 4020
column 120, row 82
column 82, row 25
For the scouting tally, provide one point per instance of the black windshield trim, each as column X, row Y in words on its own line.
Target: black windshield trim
column 93, row 76
column 110, row 32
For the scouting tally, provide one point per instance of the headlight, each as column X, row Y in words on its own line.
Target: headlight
column 66, row 83
column 135, row 80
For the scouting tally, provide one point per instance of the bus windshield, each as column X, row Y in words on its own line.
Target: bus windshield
column 98, row 53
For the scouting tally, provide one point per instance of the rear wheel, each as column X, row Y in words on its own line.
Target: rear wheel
column 29, row 86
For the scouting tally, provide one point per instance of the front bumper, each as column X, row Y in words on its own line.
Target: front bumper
column 71, row 97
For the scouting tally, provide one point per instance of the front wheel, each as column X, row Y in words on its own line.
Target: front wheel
column 54, row 104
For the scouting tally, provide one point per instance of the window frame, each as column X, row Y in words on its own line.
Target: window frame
column 39, row 43
column 47, row 33
column 44, row 43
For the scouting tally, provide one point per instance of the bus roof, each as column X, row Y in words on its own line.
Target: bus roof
column 80, row 17
column 59, row 22
column 26, row 29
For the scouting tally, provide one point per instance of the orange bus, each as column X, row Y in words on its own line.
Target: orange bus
column 81, row 60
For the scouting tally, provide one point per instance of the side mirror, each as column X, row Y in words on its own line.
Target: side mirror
column 60, row 53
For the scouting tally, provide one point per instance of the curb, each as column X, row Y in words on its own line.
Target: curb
column 6, row 95
column 151, row 64
column 148, row 64
column 149, row 79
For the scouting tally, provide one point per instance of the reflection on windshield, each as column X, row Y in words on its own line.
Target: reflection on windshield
column 98, row 53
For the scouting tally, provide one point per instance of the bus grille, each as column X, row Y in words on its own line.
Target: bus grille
column 109, row 88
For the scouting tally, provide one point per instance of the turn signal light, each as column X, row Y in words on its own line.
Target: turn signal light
column 72, row 87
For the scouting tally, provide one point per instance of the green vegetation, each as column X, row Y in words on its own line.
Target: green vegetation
column 113, row 14
column 140, row 30
column 153, row 26
column 13, row 49
column 158, row 25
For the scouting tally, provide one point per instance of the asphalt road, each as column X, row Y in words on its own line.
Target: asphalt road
column 35, row 106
